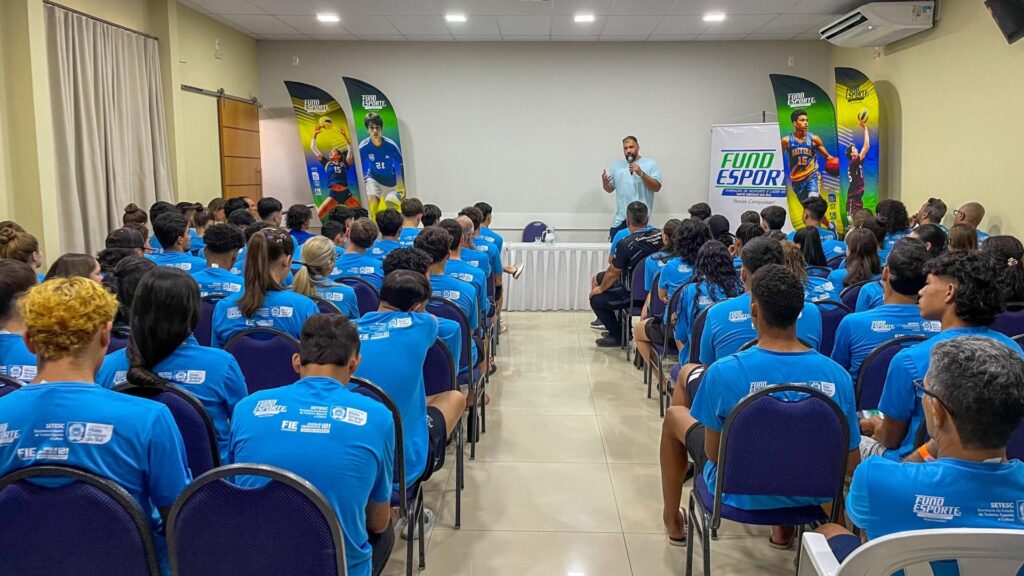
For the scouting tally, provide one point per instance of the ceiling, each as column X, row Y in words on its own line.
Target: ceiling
column 526, row 20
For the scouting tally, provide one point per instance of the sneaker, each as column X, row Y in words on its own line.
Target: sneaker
column 607, row 342
column 428, row 523
column 597, row 325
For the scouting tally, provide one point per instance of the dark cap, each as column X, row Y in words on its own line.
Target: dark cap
column 718, row 224
column 125, row 237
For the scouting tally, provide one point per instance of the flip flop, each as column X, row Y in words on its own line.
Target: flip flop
column 781, row 546
column 681, row 542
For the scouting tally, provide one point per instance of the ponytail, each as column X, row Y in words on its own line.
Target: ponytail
column 164, row 314
column 318, row 258
column 266, row 246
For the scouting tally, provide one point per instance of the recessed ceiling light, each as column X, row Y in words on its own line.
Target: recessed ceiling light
column 328, row 18
column 714, row 17
column 455, row 17
column 584, row 18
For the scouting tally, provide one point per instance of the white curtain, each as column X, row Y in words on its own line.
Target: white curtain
column 110, row 141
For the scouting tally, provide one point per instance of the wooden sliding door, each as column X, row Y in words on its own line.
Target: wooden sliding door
column 240, row 170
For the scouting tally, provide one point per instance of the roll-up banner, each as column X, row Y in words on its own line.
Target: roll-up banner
column 327, row 147
column 747, row 171
column 807, row 124
column 380, row 149
column 857, row 121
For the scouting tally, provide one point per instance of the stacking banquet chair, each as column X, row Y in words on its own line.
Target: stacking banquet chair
column 204, row 328
column 1019, row 339
column 992, row 552
column 1010, row 321
column 667, row 350
column 367, row 296
column 832, row 313
column 760, row 456
column 440, row 374
column 285, row 526
column 637, row 297
column 193, row 421
column 61, row 521
column 324, row 306
column 468, row 374
column 850, row 293
column 835, row 262
column 488, row 326
column 265, row 357
column 871, row 376
column 534, row 230
column 408, row 499
column 654, row 308
column 818, row 271
column 696, row 332
column 8, row 385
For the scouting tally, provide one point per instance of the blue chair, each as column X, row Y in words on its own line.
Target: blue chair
column 1015, row 446
column 835, row 262
column 758, row 457
column 61, row 521
column 193, row 421
column 119, row 335
column 666, row 350
column 696, row 333
column 324, row 306
column 850, row 293
column 832, row 313
column 204, row 328
column 1019, row 339
column 408, row 499
column 286, row 526
column 468, row 373
column 654, row 308
column 818, row 271
column 1010, row 321
column 441, row 375
column 367, row 296
column 534, row 230
column 265, row 357
column 637, row 297
column 871, row 375
column 8, row 385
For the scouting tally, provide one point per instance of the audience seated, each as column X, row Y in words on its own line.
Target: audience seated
column 861, row 332
column 963, row 237
column 745, row 233
column 461, row 233
column 719, row 227
column 355, row 261
column 134, row 216
column 773, row 218
column 199, row 222
column 171, row 231
column 431, row 215
column 776, row 301
column 861, row 263
column 934, row 237
column 269, row 210
column 817, row 288
column 16, row 361
column 656, row 262
column 72, row 264
column 298, row 219
column 161, row 349
column 264, row 302
column 313, row 278
column 120, row 243
column 132, row 441
column 490, row 249
column 16, row 244
column 715, row 278
column 123, row 282
column 815, row 209
column 750, row 217
column 963, row 294
column 477, row 255
column 699, row 211
column 239, row 203
column 340, row 441
column 931, row 212
column 871, row 294
column 223, row 243
column 216, row 209
column 1008, row 249
column 241, row 218
column 972, row 399
column 158, row 209
column 892, row 214
column 436, row 243
column 971, row 214
column 389, row 222
column 412, row 213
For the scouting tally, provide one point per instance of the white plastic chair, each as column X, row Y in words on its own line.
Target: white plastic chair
column 978, row 551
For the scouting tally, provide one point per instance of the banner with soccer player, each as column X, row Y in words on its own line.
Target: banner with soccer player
column 857, row 121
column 380, row 149
column 326, row 145
column 807, row 123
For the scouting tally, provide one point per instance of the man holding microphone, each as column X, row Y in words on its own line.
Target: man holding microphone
column 632, row 179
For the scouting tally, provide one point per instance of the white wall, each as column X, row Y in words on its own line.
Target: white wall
column 528, row 127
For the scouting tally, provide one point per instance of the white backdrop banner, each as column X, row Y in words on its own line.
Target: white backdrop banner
column 746, row 170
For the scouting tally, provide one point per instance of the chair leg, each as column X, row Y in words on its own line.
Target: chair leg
column 690, row 532
column 459, row 481
column 483, row 410
column 423, row 533
column 661, row 388
column 410, row 525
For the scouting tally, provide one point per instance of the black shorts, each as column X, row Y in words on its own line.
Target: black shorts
column 695, row 447
column 654, row 330
column 693, row 381
column 436, row 442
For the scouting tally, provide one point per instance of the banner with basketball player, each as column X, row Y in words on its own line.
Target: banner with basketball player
column 380, row 149
column 857, row 122
column 807, row 124
column 327, row 147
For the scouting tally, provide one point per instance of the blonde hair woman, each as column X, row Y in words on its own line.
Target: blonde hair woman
column 313, row 279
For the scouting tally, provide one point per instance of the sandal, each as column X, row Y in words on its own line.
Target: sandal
column 681, row 542
column 782, row 545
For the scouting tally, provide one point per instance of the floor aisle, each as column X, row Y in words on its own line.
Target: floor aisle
column 566, row 479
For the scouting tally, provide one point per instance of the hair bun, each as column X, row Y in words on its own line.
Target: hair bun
column 131, row 208
column 8, row 235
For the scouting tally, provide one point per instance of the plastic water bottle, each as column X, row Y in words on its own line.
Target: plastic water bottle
column 549, row 236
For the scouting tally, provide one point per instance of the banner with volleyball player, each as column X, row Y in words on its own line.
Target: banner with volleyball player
column 327, row 147
column 380, row 149
column 807, row 124
column 857, row 122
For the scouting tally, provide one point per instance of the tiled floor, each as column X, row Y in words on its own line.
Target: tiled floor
column 566, row 480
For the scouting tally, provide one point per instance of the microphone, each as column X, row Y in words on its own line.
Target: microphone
column 630, row 158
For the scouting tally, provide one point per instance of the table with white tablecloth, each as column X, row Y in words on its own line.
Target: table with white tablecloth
column 556, row 276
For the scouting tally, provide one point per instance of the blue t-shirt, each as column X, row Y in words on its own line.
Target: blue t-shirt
column 462, row 270
column 239, row 266
column 655, row 264
column 210, row 374
column 477, row 259
column 154, row 245
column 861, row 332
column 381, row 248
column 889, row 242
column 360, row 265
column 301, row 236
column 621, row 234
column 899, row 395
column 394, row 346
column 450, row 333
column 730, row 380
column 693, row 300
column 871, row 296
column 737, row 262
column 407, row 236
column 214, row 280
column 463, row 294
column 342, row 442
column 15, row 359
column 982, row 236
column 493, row 253
column 825, row 234
column 179, row 260
column 342, row 296
column 728, row 327
column 820, row 289
column 887, row 497
column 630, row 187
column 197, row 245
column 833, row 248
column 382, row 164
column 838, row 276
column 673, row 275
column 282, row 310
column 492, row 236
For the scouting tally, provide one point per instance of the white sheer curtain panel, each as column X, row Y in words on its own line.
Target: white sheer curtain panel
column 110, row 140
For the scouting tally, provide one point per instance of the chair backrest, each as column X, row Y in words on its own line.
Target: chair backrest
column 324, row 306
column 440, row 374
column 8, row 385
column 371, row 390
column 697, row 332
column 193, row 421
column 204, row 328
column 118, row 338
column 1019, row 339
column 756, row 458
column 657, row 307
column 637, row 288
column 871, row 376
column 832, row 313
column 668, row 329
column 534, row 230
column 835, row 262
column 818, row 271
column 265, row 357
column 1015, row 445
column 286, row 526
column 60, row 521
column 1010, row 321
column 449, row 310
column 850, row 293
column 367, row 296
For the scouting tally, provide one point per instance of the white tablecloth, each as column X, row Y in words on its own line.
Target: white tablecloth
column 556, row 277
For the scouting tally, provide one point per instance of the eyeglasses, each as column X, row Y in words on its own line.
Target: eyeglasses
column 919, row 384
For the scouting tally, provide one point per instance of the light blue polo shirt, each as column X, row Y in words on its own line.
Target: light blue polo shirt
column 214, row 280
column 833, row 248
column 655, row 264
column 728, row 327
column 492, row 251
column 15, row 359
column 282, row 310
column 361, row 265
column 673, row 275
column 861, row 332
column 463, row 294
column 381, row 248
column 407, row 236
column 477, row 259
column 341, row 442
column 462, row 270
column 820, row 289
column 630, row 187
column 179, row 260
column 492, row 236
column 890, row 242
column 341, row 295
